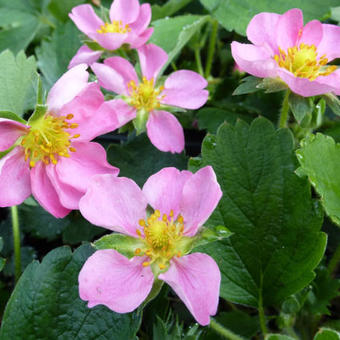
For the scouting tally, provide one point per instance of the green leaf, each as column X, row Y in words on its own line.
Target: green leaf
column 15, row 81
column 55, row 54
column 168, row 9
column 327, row 334
column 271, row 85
column 278, row 337
column 12, row 116
column 319, row 157
column 139, row 159
column 172, row 34
column 276, row 242
column 333, row 102
column 61, row 8
column 46, row 304
column 208, row 235
column 248, row 85
column 235, row 15
column 335, row 13
column 124, row 244
column 300, row 106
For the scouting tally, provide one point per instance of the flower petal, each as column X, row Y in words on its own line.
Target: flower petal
column 136, row 41
column 15, row 183
column 115, row 112
column 109, row 278
column 330, row 43
column 163, row 190
column 84, row 108
column 87, row 161
column 123, row 68
column 109, row 78
column 165, row 132
column 332, row 80
column 201, row 194
column 261, row 30
column 86, row 19
column 289, row 27
column 10, row 131
column 311, row 33
column 45, row 193
column 255, row 60
column 67, row 87
column 125, row 10
column 152, row 58
column 143, row 20
column 85, row 56
column 69, row 196
column 196, row 280
column 303, row 86
column 110, row 41
column 115, row 203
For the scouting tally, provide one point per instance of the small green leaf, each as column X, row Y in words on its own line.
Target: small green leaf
column 335, row 13
column 248, row 85
column 12, row 116
column 15, row 81
column 213, row 234
column 271, row 85
column 327, row 334
column 333, row 102
column 168, row 9
column 300, row 106
column 124, row 244
column 319, row 157
column 46, row 304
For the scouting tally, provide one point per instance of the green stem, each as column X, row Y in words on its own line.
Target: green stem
column 284, row 111
column 226, row 333
column 262, row 316
column 211, row 48
column 16, row 241
column 334, row 261
column 198, row 61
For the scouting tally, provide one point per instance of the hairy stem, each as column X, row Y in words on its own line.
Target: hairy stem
column 226, row 333
column 16, row 241
column 211, row 48
column 284, row 111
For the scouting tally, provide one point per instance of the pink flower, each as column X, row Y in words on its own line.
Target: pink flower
column 51, row 157
column 144, row 101
column 182, row 202
column 284, row 48
column 128, row 25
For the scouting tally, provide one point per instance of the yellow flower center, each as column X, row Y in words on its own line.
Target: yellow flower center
column 145, row 96
column 302, row 61
column 47, row 139
column 114, row 27
column 161, row 238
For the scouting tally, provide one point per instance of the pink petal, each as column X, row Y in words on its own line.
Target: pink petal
column 84, row 108
column 152, row 58
column 10, row 131
column 109, row 78
column 123, row 68
column 311, row 33
column 136, row 41
column 69, row 196
column 87, row 161
column 289, row 28
column 201, row 194
column 143, row 20
column 163, row 190
column 115, row 113
column 115, row 203
column 261, row 30
column 255, row 60
column 15, row 183
column 303, row 86
column 109, row 278
column 181, row 80
column 84, row 56
column 67, row 87
column 332, row 80
column 165, row 132
column 86, row 19
column 330, row 43
column 125, row 10
column 110, row 41
column 45, row 193
column 196, row 280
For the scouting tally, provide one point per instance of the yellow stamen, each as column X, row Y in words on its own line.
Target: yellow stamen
column 114, row 27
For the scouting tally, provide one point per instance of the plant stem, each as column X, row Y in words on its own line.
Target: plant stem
column 211, row 48
column 198, row 61
column 334, row 261
column 262, row 316
column 284, row 111
column 16, row 241
column 226, row 333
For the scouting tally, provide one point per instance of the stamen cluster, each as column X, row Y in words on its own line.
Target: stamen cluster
column 303, row 62
column 114, row 27
column 47, row 139
column 161, row 237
